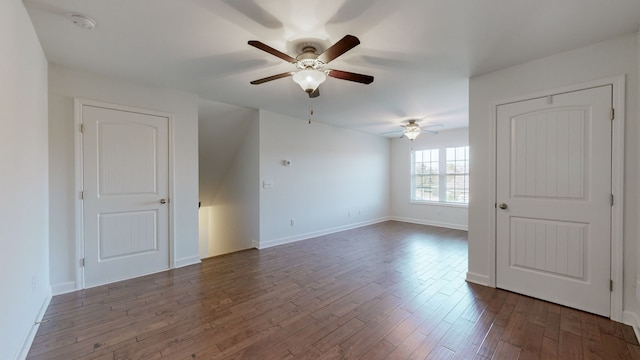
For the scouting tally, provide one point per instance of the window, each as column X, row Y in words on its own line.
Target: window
column 427, row 176
column 441, row 176
column 457, row 188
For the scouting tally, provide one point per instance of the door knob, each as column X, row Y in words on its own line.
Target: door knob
column 503, row 206
column 163, row 201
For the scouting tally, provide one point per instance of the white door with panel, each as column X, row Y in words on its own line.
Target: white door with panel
column 553, row 221
column 125, row 195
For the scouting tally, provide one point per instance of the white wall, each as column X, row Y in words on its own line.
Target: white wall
column 234, row 218
column 221, row 130
column 610, row 58
column 638, row 177
column 24, row 213
column 338, row 179
column 203, row 231
column 64, row 85
column 444, row 215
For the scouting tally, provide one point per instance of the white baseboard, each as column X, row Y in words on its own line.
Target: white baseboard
column 255, row 244
column 632, row 319
column 431, row 223
column 478, row 279
column 28, row 340
column 310, row 235
column 63, row 288
column 186, row 261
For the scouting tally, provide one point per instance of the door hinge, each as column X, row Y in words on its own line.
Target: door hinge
column 82, row 195
column 611, row 199
column 82, row 128
column 613, row 113
column 82, row 262
column 610, row 285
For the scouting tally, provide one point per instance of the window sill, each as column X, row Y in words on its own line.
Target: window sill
column 439, row 203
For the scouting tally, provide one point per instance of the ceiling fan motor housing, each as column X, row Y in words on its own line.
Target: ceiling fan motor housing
column 308, row 59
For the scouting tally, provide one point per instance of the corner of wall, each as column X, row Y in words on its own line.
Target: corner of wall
column 191, row 260
column 63, row 288
column 632, row 319
column 28, row 340
column 479, row 279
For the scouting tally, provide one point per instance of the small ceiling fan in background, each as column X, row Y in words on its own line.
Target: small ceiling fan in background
column 413, row 129
column 311, row 72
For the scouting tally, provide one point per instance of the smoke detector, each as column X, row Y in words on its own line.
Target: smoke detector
column 83, row 21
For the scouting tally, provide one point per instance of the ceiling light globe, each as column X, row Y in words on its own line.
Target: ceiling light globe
column 412, row 134
column 309, row 79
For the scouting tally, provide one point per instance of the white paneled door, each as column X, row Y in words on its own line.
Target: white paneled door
column 553, row 222
column 125, row 206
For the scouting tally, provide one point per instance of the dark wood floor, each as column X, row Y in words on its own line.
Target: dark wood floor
column 387, row 291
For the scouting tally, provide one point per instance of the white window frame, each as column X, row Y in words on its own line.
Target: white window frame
column 442, row 178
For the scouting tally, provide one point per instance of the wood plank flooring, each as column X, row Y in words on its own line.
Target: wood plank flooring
column 386, row 291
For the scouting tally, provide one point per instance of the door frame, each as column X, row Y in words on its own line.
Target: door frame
column 617, row 180
column 78, row 103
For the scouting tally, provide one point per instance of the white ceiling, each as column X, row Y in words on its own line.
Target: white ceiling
column 421, row 52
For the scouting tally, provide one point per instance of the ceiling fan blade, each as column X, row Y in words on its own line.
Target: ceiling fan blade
column 345, row 44
column 403, row 131
column 269, row 78
column 392, row 132
column 431, row 125
column 345, row 75
column 264, row 47
column 315, row 93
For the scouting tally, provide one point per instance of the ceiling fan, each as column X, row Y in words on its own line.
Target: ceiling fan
column 310, row 64
column 413, row 129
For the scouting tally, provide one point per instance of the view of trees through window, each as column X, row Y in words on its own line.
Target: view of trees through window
column 457, row 188
column 426, row 175
column 441, row 175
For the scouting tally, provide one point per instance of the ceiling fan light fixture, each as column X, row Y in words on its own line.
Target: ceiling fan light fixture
column 309, row 79
column 412, row 133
